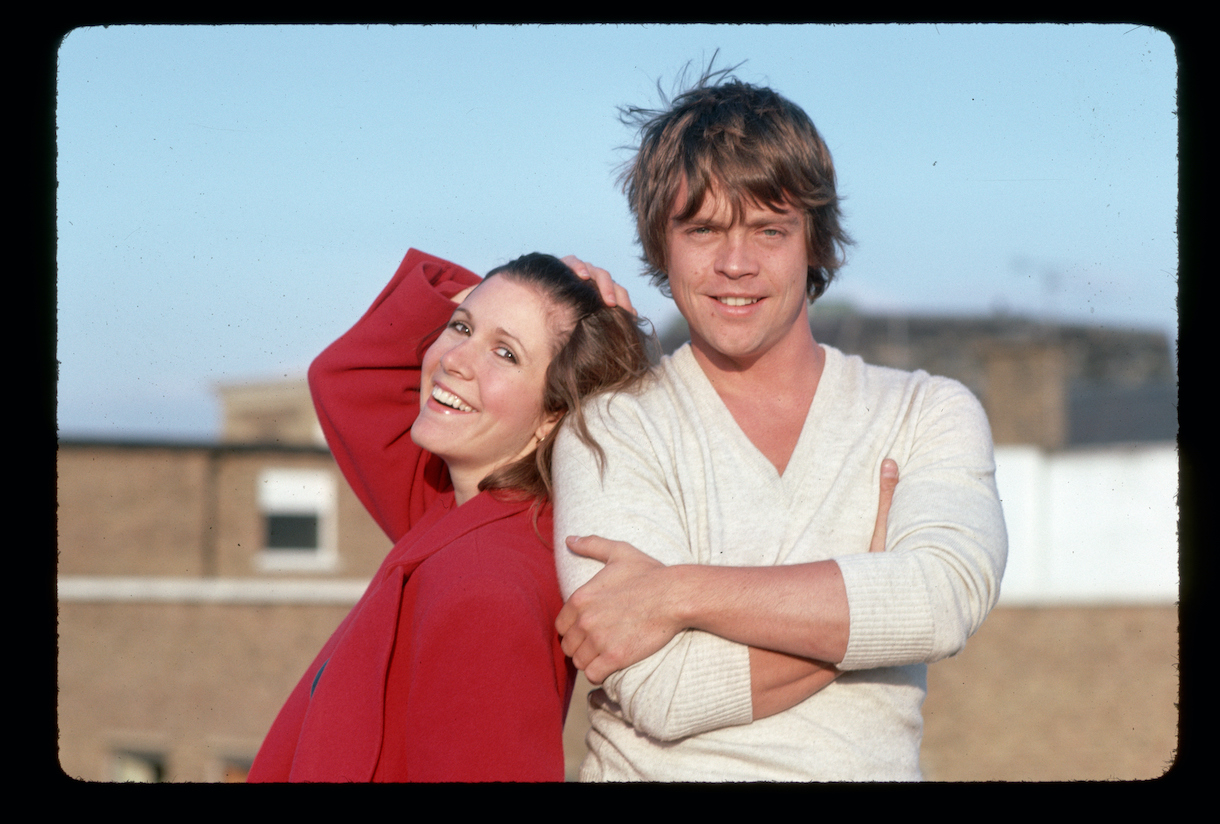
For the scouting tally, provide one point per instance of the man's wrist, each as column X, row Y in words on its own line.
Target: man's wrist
column 689, row 591
column 681, row 587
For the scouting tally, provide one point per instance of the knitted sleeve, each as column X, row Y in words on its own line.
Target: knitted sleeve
column 946, row 544
column 698, row 681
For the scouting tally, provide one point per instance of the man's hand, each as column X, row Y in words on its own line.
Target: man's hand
column 618, row 618
column 779, row 681
column 889, row 480
column 611, row 292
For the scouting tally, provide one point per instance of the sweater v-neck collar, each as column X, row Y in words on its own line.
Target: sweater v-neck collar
column 705, row 395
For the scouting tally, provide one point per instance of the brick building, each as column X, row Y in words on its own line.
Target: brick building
column 196, row 580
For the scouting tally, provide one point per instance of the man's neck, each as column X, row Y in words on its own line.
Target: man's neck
column 769, row 395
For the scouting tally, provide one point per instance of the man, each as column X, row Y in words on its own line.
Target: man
column 725, row 575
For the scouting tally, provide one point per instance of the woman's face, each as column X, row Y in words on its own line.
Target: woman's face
column 482, row 382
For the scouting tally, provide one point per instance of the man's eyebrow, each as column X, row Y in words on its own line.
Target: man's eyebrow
column 791, row 216
column 770, row 215
column 693, row 220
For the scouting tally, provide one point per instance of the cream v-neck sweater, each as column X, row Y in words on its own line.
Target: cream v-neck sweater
column 684, row 484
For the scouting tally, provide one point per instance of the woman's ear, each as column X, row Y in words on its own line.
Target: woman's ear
column 548, row 423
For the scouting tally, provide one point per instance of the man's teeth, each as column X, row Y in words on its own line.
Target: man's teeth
column 449, row 399
column 737, row 301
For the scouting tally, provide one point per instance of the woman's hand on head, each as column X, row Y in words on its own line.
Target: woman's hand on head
column 612, row 293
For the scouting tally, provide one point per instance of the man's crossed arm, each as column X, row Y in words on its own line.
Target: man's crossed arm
column 794, row 618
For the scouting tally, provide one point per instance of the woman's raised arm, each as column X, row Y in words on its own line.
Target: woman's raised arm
column 365, row 388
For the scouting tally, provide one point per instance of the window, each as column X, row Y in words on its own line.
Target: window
column 141, row 767
column 298, row 511
column 235, row 770
column 292, row 532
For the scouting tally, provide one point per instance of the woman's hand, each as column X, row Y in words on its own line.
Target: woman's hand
column 611, row 292
column 461, row 296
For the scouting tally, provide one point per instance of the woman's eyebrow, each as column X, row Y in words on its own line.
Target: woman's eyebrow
column 500, row 331
column 516, row 341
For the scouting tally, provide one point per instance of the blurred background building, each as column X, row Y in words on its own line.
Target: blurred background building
column 198, row 580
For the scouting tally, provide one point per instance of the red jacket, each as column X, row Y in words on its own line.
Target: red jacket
column 449, row 667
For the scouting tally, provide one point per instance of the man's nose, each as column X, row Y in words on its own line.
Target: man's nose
column 736, row 258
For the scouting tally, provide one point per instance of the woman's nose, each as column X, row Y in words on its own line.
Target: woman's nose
column 456, row 360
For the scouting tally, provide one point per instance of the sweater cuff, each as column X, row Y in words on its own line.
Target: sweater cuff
column 699, row 682
column 891, row 619
column 721, row 697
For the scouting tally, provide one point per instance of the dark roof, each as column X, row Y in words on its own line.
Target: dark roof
column 185, row 445
column 1115, row 414
column 1121, row 383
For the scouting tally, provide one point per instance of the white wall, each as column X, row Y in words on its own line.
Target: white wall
column 1095, row 525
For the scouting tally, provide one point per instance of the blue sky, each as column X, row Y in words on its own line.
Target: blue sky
column 231, row 198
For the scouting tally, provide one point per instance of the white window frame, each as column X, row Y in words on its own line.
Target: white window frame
column 300, row 492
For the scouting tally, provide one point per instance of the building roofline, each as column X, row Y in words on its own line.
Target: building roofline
column 187, row 445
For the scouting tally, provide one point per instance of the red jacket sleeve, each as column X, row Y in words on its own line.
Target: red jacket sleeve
column 489, row 684
column 365, row 388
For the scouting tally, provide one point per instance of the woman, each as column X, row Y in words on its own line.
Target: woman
column 449, row 667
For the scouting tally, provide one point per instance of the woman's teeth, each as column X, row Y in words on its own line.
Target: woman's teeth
column 449, row 399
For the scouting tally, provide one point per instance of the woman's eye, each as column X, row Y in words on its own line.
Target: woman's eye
column 458, row 326
column 506, row 353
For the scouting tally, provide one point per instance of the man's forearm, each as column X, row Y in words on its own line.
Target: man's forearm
column 779, row 681
column 773, row 609
column 799, row 609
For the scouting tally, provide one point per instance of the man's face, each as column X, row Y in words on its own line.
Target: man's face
column 739, row 284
